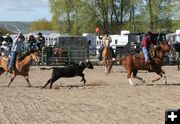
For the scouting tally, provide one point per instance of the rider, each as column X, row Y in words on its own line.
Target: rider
column 146, row 43
column 106, row 40
column 18, row 46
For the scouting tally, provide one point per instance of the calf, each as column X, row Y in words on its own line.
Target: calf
column 69, row 71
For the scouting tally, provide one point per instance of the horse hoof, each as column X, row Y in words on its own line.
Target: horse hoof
column 143, row 81
column 132, row 84
column 165, row 82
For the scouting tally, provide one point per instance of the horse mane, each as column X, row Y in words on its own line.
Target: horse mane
column 25, row 55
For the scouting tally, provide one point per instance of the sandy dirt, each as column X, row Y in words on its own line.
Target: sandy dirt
column 103, row 100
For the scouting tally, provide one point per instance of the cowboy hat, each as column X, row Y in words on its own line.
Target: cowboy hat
column 39, row 33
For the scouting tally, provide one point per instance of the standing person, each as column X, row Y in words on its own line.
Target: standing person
column 17, row 48
column 106, row 40
column 9, row 40
column 40, row 41
column 1, row 38
column 31, row 42
column 146, row 43
column 4, row 49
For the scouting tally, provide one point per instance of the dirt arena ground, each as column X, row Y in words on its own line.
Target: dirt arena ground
column 103, row 100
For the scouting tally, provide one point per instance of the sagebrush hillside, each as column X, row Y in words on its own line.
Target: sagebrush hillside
column 11, row 26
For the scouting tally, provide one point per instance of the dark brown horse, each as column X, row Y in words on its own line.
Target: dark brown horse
column 22, row 66
column 133, row 63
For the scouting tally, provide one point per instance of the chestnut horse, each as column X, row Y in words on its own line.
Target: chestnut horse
column 106, row 58
column 133, row 63
column 22, row 66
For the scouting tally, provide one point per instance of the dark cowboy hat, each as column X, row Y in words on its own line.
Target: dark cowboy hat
column 39, row 33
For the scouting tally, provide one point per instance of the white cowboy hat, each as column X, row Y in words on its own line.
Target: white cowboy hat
column 4, row 42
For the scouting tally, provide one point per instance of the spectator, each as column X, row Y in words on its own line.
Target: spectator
column 1, row 38
column 9, row 40
column 40, row 41
column 5, row 49
column 31, row 42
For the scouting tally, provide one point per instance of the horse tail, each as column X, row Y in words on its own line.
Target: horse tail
column 47, row 68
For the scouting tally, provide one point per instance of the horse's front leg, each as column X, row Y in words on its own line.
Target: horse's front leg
column 164, row 75
column 178, row 61
column 159, row 76
column 27, row 80
column 11, row 80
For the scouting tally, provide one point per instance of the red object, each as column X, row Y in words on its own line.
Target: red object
column 97, row 30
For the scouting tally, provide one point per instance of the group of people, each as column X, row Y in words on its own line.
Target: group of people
column 5, row 44
column 145, row 44
column 13, row 48
column 38, row 42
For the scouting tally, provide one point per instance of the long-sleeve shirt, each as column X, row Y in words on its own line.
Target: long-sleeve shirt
column 106, row 40
column 18, row 46
column 147, row 42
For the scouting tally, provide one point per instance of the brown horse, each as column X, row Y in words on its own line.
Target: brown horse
column 106, row 58
column 133, row 63
column 22, row 66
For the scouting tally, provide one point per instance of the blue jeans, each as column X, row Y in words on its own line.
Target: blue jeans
column 12, row 60
column 145, row 52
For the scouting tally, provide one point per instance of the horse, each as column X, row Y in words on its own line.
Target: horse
column 106, row 58
column 22, row 65
column 133, row 63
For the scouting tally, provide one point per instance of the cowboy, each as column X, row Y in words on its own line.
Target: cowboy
column 17, row 48
column 146, row 43
column 106, row 40
column 4, row 49
column 40, row 41
column 31, row 41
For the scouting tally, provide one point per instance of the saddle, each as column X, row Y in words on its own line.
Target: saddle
column 140, row 56
column 143, row 63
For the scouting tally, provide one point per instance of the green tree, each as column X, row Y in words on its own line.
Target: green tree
column 41, row 24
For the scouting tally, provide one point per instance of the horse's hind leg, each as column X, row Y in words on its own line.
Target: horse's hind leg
column 135, row 71
column 11, row 80
column 27, row 80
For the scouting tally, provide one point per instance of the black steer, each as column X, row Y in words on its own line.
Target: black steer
column 69, row 71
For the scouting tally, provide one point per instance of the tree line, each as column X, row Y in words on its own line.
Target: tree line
column 79, row 16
